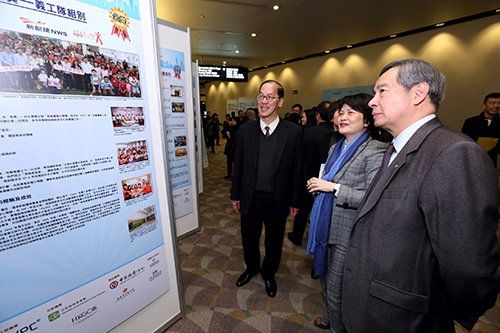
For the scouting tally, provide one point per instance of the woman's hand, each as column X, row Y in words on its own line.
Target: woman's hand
column 319, row 185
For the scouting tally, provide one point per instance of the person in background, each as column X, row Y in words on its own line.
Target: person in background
column 315, row 146
column 229, row 132
column 217, row 124
column 333, row 112
column 308, row 118
column 486, row 124
column 422, row 253
column 295, row 114
column 250, row 115
column 350, row 168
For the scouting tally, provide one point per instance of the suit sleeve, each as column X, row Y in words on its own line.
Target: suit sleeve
column 367, row 169
column 297, row 172
column 238, row 166
column 460, row 213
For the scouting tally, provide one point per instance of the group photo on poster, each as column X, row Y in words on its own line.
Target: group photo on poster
column 43, row 65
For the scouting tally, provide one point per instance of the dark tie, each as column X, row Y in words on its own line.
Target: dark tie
column 387, row 156
column 267, row 131
column 385, row 163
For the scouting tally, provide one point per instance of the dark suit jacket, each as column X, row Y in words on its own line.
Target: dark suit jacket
column 316, row 143
column 423, row 248
column 477, row 126
column 286, row 163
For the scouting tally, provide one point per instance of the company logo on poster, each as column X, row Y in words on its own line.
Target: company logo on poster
column 156, row 273
column 84, row 315
column 54, row 316
column 120, row 22
column 39, row 26
column 125, row 293
column 25, row 328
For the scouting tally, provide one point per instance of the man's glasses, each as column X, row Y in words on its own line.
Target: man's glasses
column 261, row 97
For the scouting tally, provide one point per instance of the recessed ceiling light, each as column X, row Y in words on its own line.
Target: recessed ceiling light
column 327, row 51
column 253, row 34
column 203, row 17
column 283, row 62
column 265, row 66
column 497, row 11
column 440, row 24
column 392, row 36
column 237, row 51
column 349, row 46
column 276, row 7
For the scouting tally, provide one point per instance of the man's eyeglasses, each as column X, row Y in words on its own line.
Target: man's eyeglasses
column 261, row 97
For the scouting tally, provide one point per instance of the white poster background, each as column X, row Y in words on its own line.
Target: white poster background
column 174, row 40
column 91, row 276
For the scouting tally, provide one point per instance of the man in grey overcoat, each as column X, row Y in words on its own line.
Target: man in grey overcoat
column 423, row 251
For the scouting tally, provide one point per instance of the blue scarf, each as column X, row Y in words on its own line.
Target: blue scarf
column 321, row 213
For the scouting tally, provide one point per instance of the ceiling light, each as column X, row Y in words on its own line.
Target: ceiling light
column 440, row 24
column 392, row 36
column 497, row 11
column 224, row 63
column 203, row 17
column 265, row 66
column 349, row 46
column 237, row 51
column 327, row 51
column 253, row 34
column 283, row 62
column 276, row 7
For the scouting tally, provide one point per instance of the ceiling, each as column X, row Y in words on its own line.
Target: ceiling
column 300, row 27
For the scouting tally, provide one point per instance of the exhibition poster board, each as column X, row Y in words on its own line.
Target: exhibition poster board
column 232, row 106
column 198, row 135
column 85, row 235
column 177, row 100
column 246, row 102
column 336, row 94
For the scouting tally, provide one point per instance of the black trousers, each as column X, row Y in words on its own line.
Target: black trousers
column 263, row 212
column 300, row 221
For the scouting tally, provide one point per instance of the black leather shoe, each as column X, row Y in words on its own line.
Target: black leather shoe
column 271, row 287
column 244, row 278
column 320, row 323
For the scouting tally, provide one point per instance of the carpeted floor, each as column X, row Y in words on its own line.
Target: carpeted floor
column 211, row 260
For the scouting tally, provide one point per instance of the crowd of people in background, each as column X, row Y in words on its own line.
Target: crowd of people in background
column 30, row 63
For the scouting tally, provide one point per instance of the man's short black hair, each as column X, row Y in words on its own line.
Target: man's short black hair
column 297, row 105
column 491, row 95
column 281, row 90
column 322, row 110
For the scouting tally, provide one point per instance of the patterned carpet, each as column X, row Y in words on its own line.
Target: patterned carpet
column 212, row 259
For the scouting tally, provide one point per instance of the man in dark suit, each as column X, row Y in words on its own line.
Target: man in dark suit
column 316, row 143
column 266, row 183
column 487, row 124
column 423, row 251
column 296, row 114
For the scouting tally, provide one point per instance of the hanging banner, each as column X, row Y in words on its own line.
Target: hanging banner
column 81, row 240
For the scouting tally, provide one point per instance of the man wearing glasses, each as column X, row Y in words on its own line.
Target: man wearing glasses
column 266, row 184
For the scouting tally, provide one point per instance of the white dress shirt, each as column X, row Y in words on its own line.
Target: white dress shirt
column 400, row 141
column 272, row 126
